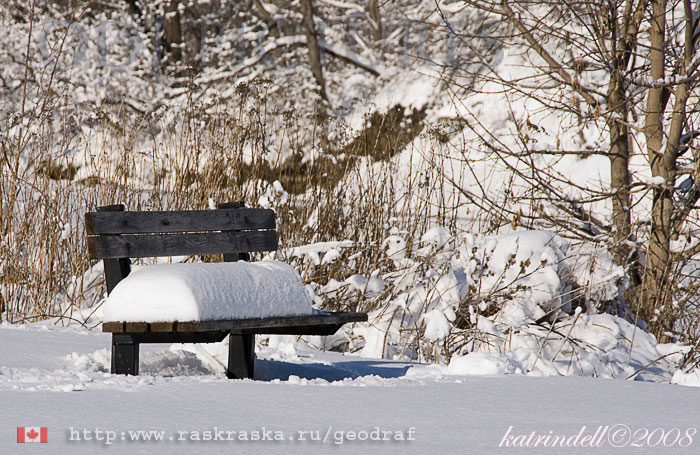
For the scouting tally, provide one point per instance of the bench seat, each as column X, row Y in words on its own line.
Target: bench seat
column 321, row 323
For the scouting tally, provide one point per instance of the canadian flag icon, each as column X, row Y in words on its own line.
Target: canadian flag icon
column 32, row 434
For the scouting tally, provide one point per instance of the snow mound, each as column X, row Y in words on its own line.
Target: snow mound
column 690, row 378
column 208, row 291
column 530, row 262
column 479, row 363
column 526, row 302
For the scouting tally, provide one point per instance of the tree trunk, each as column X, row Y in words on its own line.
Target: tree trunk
column 134, row 7
column 625, row 29
column 172, row 32
column 313, row 46
column 619, row 175
column 655, row 294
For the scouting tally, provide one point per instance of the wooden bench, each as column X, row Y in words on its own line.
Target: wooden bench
column 115, row 236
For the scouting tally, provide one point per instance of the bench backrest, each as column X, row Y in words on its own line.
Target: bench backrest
column 116, row 235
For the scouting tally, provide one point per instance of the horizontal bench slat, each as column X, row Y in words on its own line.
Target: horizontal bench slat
column 258, row 325
column 115, row 222
column 113, row 327
column 136, row 246
column 162, row 326
column 136, row 327
column 286, row 321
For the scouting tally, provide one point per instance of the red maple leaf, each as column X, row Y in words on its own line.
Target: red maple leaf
column 32, row 434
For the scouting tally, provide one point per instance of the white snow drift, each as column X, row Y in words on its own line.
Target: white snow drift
column 208, row 291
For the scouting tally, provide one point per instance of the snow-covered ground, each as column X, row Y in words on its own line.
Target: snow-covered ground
column 57, row 377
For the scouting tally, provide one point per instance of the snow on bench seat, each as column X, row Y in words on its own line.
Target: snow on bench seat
column 208, row 292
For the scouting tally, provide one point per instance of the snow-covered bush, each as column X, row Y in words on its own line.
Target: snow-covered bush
column 523, row 302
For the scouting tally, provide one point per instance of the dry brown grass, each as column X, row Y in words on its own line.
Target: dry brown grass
column 199, row 157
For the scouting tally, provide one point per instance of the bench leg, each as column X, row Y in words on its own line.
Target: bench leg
column 241, row 356
column 125, row 354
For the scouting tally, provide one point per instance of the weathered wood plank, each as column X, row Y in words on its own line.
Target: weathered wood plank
column 188, row 326
column 136, row 327
column 262, row 325
column 233, row 257
column 113, row 327
column 162, row 326
column 231, row 205
column 311, row 329
column 111, row 222
column 115, row 270
column 282, row 321
column 177, row 337
column 133, row 246
column 111, row 208
column 241, row 357
column 125, row 354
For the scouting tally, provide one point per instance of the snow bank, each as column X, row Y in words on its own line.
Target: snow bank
column 479, row 363
column 208, row 291
column 690, row 378
column 526, row 302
